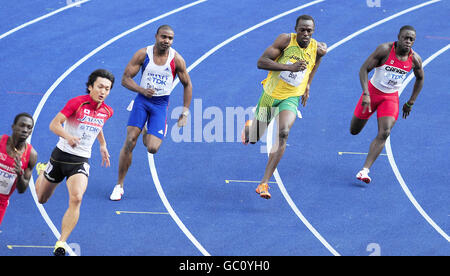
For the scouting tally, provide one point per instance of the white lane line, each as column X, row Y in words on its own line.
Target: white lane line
column 41, row 104
column 42, row 18
column 197, row 62
column 353, row 35
column 394, row 165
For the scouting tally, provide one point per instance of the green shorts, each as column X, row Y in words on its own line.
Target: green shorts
column 268, row 107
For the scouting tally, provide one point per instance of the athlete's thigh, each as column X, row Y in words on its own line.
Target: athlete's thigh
column 152, row 141
column 44, row 188
column 139, row 113
column 386, row 123
column 76, row 185
column 357, row 124
column 286, row 119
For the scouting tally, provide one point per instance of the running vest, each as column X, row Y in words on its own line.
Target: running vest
column 285, row 84
column 389, row 77
column 84, row 121
column 158, row 77
column 8, row 177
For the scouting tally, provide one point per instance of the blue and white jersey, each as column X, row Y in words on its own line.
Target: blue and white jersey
column 158, row 77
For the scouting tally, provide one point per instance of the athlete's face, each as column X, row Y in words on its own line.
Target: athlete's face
column 164, row 39
column 406, row 40
column 23, row 128
column 100, row 89
column 304, row 30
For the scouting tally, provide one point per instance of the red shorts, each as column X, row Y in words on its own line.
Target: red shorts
column 3, row 205
column 386, row 104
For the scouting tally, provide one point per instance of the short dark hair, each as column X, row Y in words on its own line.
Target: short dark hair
column 304, row 17
column 163, row 27
column 406, row 28
column 103, row 73
column 23, row 114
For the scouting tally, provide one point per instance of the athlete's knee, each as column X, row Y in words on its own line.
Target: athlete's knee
column 354, row 131
column 152, row 149
column 130, row 143
column 284, row 134
column 384, row 133
column 42, row 199
column 75, row 199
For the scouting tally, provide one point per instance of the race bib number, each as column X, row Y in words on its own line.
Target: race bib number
column 7, row 180
column 292, row 78
column 392, row 80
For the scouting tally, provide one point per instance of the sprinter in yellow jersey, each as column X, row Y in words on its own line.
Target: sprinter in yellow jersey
column 292, row 61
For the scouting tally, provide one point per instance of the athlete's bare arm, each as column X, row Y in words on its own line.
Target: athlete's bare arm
column 23, row 177
column 103, row 149
column 56, row 126
column 418, row 84
column 378, row 57
column 267, row 60
column 183, row 76
column 321, row 51
column 132, row 69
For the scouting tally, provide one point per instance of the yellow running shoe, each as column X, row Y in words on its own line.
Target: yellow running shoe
column 40, row 167
column 59, row 249
column 263, row 190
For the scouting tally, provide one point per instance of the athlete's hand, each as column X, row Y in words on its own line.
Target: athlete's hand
column 182, row 120
column 105, row 156
column 18, row 166
column 73, row 141
column 298, row 66
column 366, row 103
column 406, row 110
column 148, row 92
column 305, row 96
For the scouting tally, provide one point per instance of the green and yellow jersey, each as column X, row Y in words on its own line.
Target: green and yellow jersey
column 284, row 84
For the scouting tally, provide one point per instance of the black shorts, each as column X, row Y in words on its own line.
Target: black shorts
column 64, row 165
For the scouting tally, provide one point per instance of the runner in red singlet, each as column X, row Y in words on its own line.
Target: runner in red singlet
column 78, row 125
column 17, row 160
column 392, row 61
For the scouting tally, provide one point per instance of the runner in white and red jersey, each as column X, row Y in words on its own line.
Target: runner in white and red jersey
column 392, row 61
column 17, row 160
column 78, row 124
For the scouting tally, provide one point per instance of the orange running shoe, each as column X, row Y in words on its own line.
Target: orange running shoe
column 263, row 190
column 245, row 132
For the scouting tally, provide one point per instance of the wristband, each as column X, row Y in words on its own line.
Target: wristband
column 185, row 113
column 408, row 105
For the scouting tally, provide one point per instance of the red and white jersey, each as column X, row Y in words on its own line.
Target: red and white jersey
column 8, row 177
column 389, row 77
column 158, row 77
column 84, row 121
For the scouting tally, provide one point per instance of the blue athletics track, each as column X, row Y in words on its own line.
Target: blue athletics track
column 196, row 196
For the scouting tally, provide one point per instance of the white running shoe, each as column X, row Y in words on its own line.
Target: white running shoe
column 117, row 193
column 363, row 175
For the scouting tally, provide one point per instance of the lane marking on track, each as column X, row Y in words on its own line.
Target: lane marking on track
column 42, row 18
column 11, row 247
column 394, row 165
column 356, row 153
column 246, row 181
column 141, row 213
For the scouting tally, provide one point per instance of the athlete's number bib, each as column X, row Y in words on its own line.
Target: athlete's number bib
column 6, row 181
column 292, row 78
column 392, row 80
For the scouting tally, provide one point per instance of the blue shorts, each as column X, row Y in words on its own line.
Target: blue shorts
column 153, row 111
